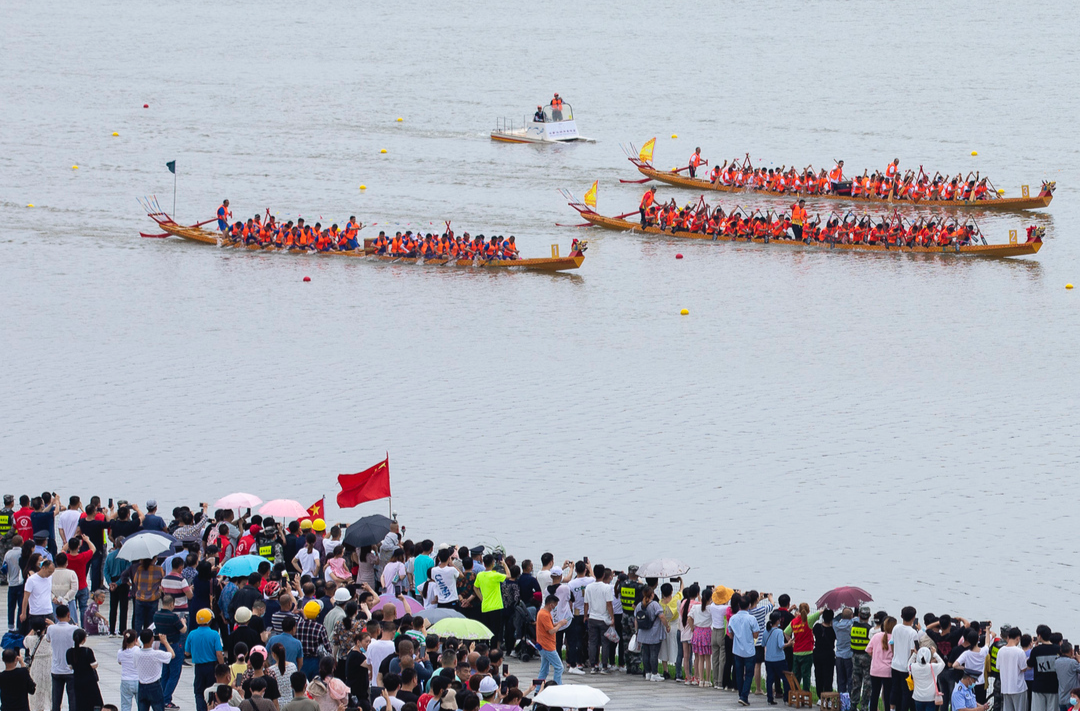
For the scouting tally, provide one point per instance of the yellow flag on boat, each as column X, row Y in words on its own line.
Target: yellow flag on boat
column 646, row 150
column 590, row 195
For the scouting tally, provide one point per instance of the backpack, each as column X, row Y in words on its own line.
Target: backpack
column 644, row 622
column 12, row 640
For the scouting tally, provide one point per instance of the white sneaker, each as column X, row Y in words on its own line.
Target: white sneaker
column 575, row 670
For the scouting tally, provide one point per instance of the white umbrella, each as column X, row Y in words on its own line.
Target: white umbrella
column 239, row 500
column 663, row 568
column 574, row 696
column 143, row 546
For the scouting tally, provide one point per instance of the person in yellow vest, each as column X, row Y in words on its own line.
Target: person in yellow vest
column 798, row 219
column 860, row 661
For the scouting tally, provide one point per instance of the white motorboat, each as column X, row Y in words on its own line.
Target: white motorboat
column 558, row 126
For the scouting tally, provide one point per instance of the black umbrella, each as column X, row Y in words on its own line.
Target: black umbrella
column 367, row 531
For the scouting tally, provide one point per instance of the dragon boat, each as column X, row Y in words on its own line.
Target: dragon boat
column 1013, row 248
column 196, row 233
column 644, row 164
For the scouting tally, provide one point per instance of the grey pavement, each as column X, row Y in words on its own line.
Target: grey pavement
column 626, row 692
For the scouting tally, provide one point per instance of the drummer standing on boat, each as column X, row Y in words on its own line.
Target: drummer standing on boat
column 798, row 217
column 647, row 201
column 223, row 216
column 695, row 161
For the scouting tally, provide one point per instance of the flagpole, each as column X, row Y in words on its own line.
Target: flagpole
column 390, row 498
column 174, row 194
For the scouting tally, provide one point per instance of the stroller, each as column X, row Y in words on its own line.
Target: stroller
column 524, row 622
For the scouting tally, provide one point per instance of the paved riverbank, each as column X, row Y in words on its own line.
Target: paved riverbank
column 627, row 693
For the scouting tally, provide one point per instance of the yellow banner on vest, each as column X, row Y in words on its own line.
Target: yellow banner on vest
column 590, row 195
column 647, row 149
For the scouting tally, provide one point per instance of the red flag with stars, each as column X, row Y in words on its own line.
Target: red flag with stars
column 315, row 511
column 368, row 485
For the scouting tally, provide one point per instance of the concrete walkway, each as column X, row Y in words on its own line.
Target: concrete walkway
column 627, row 693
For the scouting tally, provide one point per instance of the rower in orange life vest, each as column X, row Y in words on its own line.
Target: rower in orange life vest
column 798, row 218
column 646, row 202
column 556, row 108
column 836, row 176
column 695, row 161
column 223, row 216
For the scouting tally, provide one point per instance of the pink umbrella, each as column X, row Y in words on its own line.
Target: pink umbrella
column 846, row 596
column 389, row 599
column 286, row 508
column 239, row 500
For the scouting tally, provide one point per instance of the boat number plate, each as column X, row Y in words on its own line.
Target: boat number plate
column 1012, row 236
column 1025, row 191
column 554, row 251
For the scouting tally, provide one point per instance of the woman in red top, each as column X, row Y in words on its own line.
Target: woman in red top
column 802, row 632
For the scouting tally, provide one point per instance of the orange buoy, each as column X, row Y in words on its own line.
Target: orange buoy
column 678, row 256
column 307, row 278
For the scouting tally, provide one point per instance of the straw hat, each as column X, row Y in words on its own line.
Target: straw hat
column 721, row 594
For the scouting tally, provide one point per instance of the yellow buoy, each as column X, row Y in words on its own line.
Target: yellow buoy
column 1067, row 286
column 363, row 187
column 974, row 153
column 383, row 151
column 74, row 167
column 674, row 135
column 115, row 133
column 30, row 205
column 400, row 119
column 1000, row 191
column 685, row 312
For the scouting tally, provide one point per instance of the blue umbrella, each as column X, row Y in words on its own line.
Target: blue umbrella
column 241, row 566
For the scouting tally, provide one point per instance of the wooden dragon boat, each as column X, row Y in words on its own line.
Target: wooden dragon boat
column 1025, row 202
column 1012, row 249
column 196, row 233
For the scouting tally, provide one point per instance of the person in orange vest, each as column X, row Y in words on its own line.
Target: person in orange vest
column 556, row 108
column 798, row 218
column 695, row 161
column 836, row 176
column 646, row 202
column 223, row 216
column 893, row 168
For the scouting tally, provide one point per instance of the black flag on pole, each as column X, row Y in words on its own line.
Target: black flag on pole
column 171, row 165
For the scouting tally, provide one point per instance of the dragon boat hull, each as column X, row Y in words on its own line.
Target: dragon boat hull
column 547, row 264
column 1019, row 249
column 684, row 181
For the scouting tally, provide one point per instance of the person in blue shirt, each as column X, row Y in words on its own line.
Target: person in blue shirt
column 775, row 641
column 151, row 521
column 744, row 631
column 963, row 696
column 422, row 565
column 294, row 651
column 204, row 646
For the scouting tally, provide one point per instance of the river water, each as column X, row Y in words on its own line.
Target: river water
column 907, row 424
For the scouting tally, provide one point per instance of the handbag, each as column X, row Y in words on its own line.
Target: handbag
column 939, row 699
column 632, row 645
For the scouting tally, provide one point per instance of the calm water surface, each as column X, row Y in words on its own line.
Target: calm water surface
column 906, row 424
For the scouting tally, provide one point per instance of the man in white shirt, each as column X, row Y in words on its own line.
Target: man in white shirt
column 37, row 595
column 543, row 578
column 1012, row 663
column 576, row 633
column 60, row 636
column 148, row 662
column 905, row 638
column 599, row 600
column 380, row 649
column 444, row 577
column 68, row 521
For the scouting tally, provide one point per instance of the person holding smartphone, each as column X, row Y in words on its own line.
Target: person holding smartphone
column 546, row 628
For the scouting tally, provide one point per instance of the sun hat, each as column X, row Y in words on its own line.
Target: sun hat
column 242, row 615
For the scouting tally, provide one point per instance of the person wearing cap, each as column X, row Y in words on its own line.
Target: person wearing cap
column 7, row 530
column 963, row 696
column 842, row 629
column 860, row 661
column 246, row 544
column 244, row 632
column 312, row 637
column 151, row 521
column 538, row 117
column 204, row 646
column 342, row 596
column 556, row 107
column 489, row 688
column 629, row 592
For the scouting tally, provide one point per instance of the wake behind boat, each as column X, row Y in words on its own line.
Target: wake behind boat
column 891, row 234
column 447, row 249
column 890, row 186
